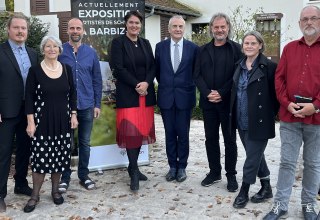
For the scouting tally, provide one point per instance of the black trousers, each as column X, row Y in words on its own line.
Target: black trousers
column 11, row 128
column 212, row 119
column 255, row 163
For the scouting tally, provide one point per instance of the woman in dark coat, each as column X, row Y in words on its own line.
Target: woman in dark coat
column 132, row 64
column 253, row 110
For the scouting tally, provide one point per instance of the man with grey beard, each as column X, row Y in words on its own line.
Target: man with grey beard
column 297, row 83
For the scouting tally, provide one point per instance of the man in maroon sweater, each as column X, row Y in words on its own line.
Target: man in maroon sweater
column 297, row 83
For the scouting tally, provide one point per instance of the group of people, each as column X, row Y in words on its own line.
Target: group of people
column 40, row 105
column 240, row 89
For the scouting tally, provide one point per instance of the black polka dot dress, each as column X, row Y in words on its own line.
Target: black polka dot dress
column 50, row 101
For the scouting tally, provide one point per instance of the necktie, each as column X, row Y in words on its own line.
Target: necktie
column 176, row 57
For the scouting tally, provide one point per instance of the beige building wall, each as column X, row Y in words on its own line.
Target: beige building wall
column 289, row 8
column 2, row 5
column 152, row 26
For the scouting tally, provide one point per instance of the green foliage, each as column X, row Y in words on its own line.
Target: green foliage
column 10, row 5
column 3, row 25
column 104, row 128
column 202, row 37
column 197, row 112
column 243, row 20
column 37, row 30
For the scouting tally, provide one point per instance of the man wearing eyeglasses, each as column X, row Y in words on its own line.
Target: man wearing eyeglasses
column 297, row 83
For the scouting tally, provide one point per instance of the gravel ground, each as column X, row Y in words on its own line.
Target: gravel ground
column 157, row 199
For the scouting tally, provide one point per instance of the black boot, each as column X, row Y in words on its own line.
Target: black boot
column 264, row 193
column 242, row 198
column 134, row 184
column 142, row 177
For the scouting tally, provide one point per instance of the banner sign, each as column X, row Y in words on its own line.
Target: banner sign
column 111, row 156
column 104, row 20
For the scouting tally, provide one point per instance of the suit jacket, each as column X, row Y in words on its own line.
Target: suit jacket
column 175, row 88
column 262, row 102
column 11, row 82
column 204, row 74
column 124, row 70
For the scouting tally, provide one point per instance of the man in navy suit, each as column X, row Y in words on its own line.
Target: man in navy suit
column 16, row 59
column 175, row 58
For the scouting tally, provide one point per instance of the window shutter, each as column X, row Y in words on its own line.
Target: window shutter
column 63, row 28
column 164, row 21
column 39, row 7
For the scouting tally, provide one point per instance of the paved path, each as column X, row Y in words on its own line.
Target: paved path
column 156, row 199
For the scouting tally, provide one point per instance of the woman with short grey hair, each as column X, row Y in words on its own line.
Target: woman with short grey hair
column 54, row 39
column 253, row 109
column 50, row 100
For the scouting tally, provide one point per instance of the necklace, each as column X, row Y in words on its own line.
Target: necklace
column 135, row 43
column 53, row 70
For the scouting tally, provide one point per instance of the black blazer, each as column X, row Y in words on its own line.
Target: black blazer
column 262, row 102
column 124, row 70
column 204, row 75
column 11, row 82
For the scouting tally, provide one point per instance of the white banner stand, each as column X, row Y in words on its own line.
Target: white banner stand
column 111, row 156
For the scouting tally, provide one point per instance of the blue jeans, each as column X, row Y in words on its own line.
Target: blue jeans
column 85, row 119
column 292, row 136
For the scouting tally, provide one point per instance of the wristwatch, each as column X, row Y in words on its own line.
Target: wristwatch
column 317, row 110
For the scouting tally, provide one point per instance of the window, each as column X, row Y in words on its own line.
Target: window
column 198, row 28
column 39, row 7
column 200, row 35
column 269, row 25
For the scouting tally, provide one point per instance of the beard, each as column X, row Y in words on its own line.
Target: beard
column 220, row 36
column 75, row 38
column 310, row 31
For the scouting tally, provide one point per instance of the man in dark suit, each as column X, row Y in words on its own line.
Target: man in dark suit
column 213, row 76
column 175, row 59
column 16, row 59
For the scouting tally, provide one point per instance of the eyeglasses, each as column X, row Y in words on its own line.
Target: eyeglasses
column 312, row 19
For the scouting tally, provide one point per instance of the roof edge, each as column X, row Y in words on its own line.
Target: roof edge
column 172, row 10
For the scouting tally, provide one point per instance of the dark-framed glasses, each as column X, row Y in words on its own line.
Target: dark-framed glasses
column 312, row 19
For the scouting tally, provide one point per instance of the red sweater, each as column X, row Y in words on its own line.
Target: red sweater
column 298, row 73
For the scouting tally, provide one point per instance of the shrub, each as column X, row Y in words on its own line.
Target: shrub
column 196, row 112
